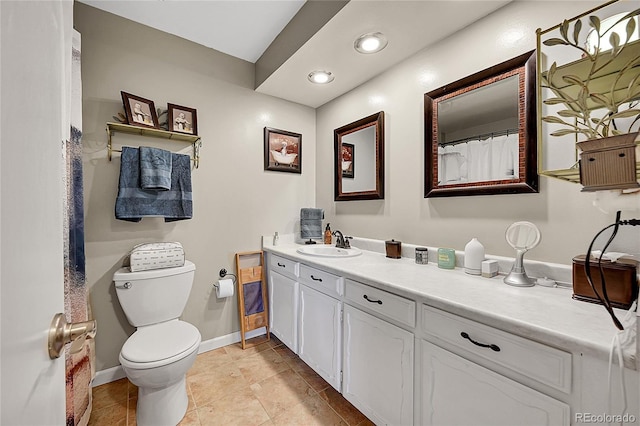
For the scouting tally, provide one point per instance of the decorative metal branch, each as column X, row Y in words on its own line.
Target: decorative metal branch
column 579, row 108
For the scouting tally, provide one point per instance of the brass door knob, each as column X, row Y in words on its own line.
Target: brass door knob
column 61, row 332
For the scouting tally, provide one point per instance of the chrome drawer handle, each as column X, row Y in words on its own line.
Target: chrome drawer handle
column 379, row 302
column 491, row 346
column 282, row 265
column 316, row 279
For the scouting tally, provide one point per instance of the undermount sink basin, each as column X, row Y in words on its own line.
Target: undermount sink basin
column 329, row 251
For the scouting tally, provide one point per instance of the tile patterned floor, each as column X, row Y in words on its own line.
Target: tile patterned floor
column 265, row 384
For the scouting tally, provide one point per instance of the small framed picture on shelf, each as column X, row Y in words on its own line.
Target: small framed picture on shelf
column 182, row 119
column 282, row 150
column 348, row 160
column 140, row 111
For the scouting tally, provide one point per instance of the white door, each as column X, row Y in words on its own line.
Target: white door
column 35, row 39
column 456, row 391
column 319, row 338
column 283, row 305
column 378, row 368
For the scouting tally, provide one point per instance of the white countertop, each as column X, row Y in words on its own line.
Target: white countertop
column 545, row 314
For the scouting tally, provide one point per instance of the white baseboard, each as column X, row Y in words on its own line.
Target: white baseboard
column 116, row 373
column 229, row 339
column 107, row 376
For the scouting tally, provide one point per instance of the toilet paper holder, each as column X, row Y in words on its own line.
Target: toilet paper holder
column 223, row 273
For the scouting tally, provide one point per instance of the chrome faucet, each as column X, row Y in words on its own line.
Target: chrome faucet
column 341, row 240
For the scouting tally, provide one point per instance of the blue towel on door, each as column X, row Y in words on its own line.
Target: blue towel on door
column 155, row 168
column 133, row 203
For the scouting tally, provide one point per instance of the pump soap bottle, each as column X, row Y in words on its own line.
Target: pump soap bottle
column 327, row 234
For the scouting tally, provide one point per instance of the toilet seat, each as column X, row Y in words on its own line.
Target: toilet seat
column 160, row 344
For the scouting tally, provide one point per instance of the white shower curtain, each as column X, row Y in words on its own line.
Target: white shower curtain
column 80, row 366
column 480, row 160
column 452, row 164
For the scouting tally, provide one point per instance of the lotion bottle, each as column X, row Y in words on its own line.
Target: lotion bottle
column 327, row 234
column 473, row 257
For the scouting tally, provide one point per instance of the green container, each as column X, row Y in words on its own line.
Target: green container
column 446, row 258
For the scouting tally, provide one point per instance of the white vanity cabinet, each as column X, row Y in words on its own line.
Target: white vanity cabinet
column 378, row 366
column 458, row 390
column 283, row 300
column 320, row 323
column 401, row 361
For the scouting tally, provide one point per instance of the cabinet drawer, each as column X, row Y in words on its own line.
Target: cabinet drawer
column 383, row 302
column 321, row 280
column 283, row 266
column 539, row 362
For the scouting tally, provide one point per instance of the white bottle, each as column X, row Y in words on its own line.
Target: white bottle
column 473, row 257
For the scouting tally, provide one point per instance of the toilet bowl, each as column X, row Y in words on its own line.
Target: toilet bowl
column 156, row 359
column 157, row 356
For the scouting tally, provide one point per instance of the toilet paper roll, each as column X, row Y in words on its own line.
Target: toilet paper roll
column 224, row 288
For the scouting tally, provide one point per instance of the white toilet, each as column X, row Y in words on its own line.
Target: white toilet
column 158, row 354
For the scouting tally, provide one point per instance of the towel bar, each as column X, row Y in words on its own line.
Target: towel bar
column 149, row 132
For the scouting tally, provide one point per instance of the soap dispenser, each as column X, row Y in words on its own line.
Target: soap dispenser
column 327, row 234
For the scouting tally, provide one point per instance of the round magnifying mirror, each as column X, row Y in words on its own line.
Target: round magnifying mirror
column 522, row 236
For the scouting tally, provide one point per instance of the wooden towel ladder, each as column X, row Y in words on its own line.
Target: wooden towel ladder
column 252, row 292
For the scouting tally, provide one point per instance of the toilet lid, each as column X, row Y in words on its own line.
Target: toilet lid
column 160, row 341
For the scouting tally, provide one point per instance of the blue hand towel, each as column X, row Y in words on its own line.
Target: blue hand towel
column 310, row 228
column 311, row 222
column 155, row 168
column 311, row 213
column 133, row 203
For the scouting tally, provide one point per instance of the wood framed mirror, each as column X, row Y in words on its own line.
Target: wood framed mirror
column 480, row 132
column 359, row 159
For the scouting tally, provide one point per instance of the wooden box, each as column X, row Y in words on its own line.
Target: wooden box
column 608, row 163
column 621, row 281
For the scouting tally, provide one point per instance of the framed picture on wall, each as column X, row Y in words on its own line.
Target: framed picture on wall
column 140, row 111
column 182, row 119
column 348, row 160
column 282, row 150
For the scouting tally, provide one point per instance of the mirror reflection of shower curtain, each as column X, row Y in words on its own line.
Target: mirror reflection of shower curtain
column 452, row 160
column 479, row 158
column 508, row 159
column 493, row 158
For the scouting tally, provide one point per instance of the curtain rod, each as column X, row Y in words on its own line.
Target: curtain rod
column 478, row 137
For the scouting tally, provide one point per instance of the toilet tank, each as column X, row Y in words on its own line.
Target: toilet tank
column 154, row 296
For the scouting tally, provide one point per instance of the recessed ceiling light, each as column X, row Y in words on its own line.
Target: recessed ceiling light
column 370, row 43
column 321, row 77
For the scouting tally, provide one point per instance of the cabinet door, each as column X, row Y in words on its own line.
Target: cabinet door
column 283, row 306
column 456, row 391
column 378, row 368
column 319, row 334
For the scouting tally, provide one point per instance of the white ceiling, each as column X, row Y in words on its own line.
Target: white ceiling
column 245, row 28
column 241, row 28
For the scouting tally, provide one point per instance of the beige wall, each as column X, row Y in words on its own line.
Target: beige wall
column 565, row 216
column 235, row 200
